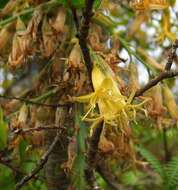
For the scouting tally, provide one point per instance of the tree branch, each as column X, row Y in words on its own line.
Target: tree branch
column 163, row 75
column 83, row 34
column 94, row 140
column 156, row 80
column 39, row 166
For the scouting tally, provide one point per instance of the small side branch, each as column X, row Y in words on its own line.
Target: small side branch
column 41, row 128
column 39, row 166
column 156, row 80
column 28, row 101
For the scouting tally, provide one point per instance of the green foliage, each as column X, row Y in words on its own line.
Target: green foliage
column 172, row 172
column 3, row 131
column 78, row 4
column 7, row 181
column 129, row 178
column 153, row 161
column 22, row 148
column 168, row 172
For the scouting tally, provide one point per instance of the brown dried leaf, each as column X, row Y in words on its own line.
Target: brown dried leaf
column 59, row 23
column 75, row 56
column 155, row 105
column 5, row 37
column 32, row 27
column 49, row 39
column 23, row 114
column 105, row 145
column 16, row 58
column 170, row 102
column 133, row 78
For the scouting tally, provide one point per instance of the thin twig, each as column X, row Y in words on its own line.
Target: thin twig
column 156, row 80
column 28, row 101
column 41, row 128
column 39, row 166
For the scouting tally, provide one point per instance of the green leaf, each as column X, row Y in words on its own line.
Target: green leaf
column 3, row 131
column 129, row 178
column 172, row 172
column 22, row 149
column 152, row 160
column 97, row 4
column 78, row 3
column 7, row 181
column 63, row 2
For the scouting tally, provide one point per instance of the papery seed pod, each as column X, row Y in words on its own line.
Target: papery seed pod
column 105, row 145
column 33, row 24
column 96, row 38
column 24, row 40
column 48, row 38
column 4, row 37
column 23, row 114
column 95, row 42
column 75, row 56
column 16, row 58
column 133, row 78
column 59, row 23
column 170, row 102
column 155, row 105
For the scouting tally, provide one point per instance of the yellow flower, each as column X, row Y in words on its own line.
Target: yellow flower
column 115, row 109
